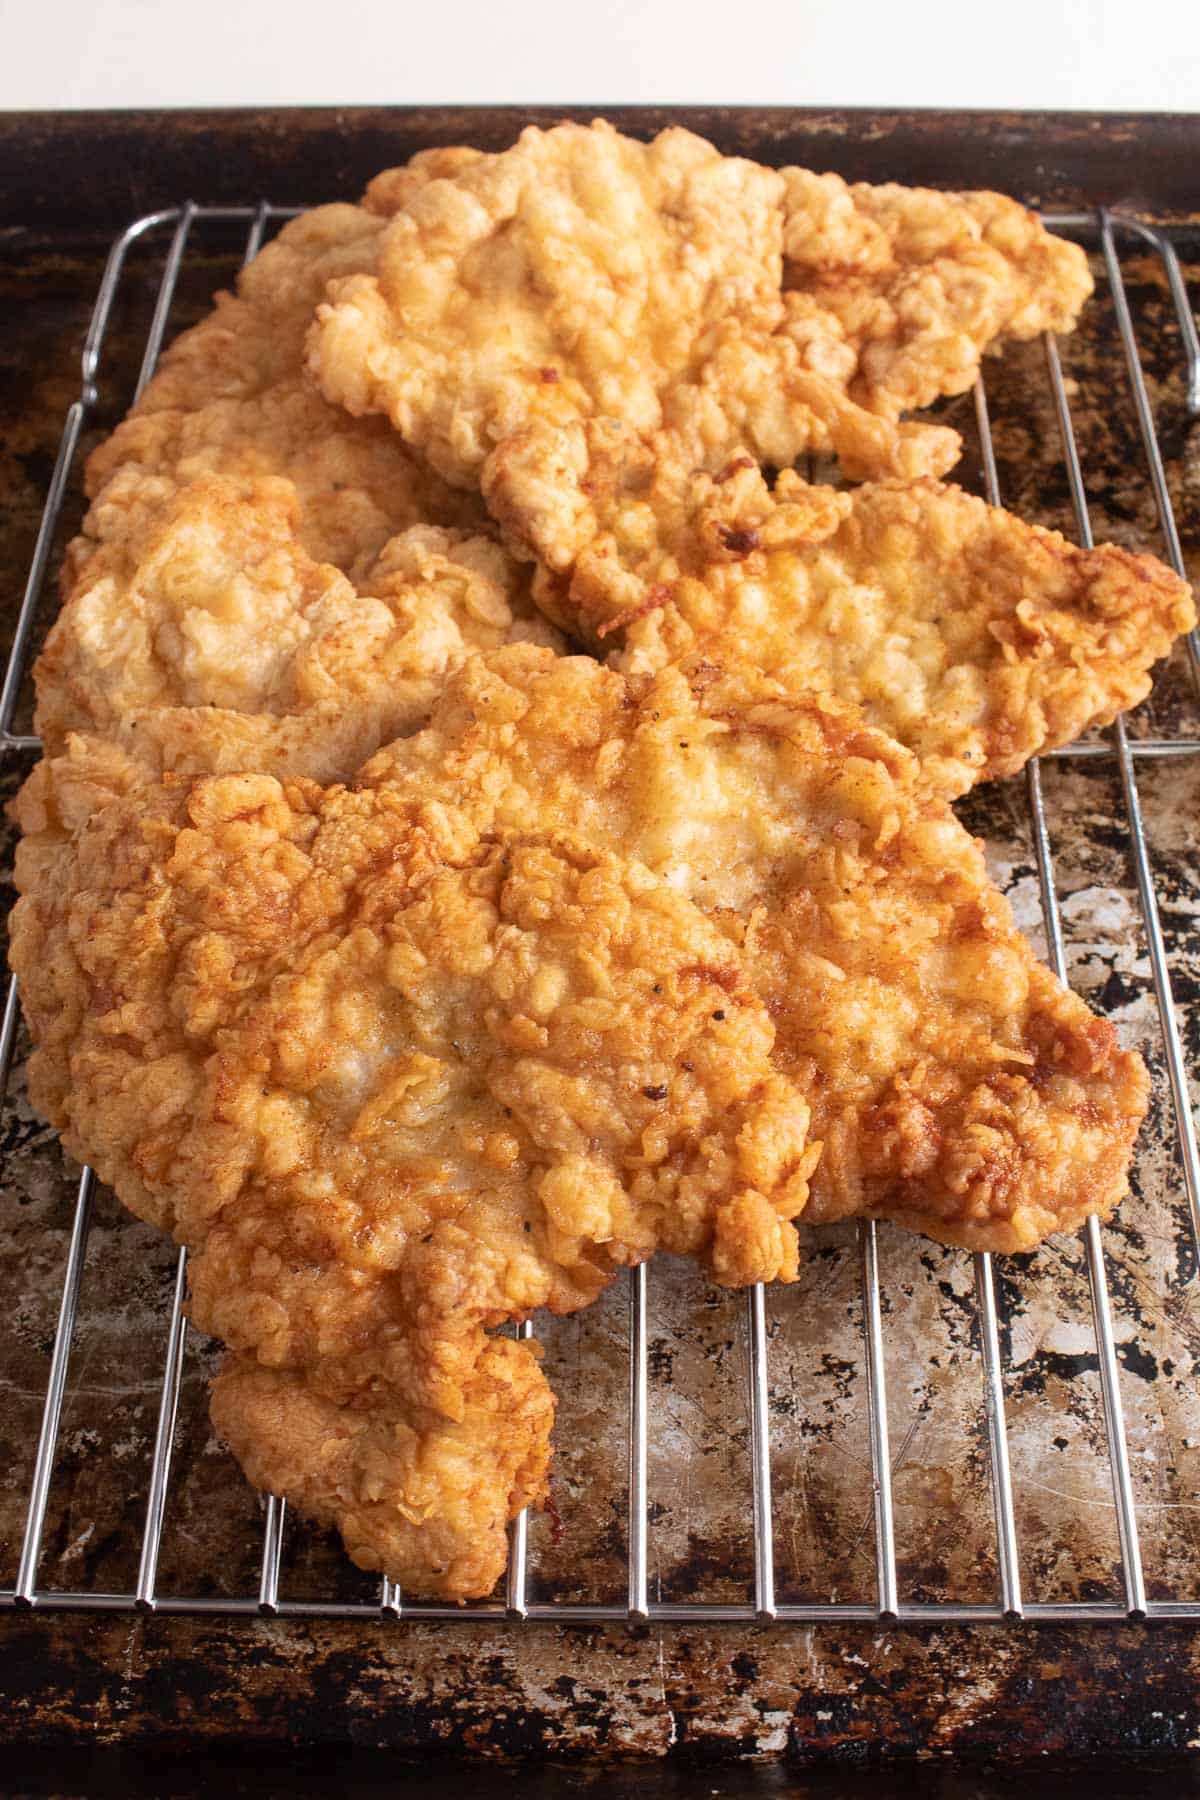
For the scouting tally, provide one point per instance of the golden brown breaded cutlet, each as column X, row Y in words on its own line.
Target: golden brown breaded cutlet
column 392, row 1079
column 971, row 637
column 955, row 1084
column 582, row 275
column 706, row 303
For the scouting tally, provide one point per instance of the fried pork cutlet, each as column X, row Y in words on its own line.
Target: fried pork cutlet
column 584, row 275
column 922, row 283
column 231, row 397
column 955, row 1085
column 205, row 597
column 973, row 638
column 392, row 1080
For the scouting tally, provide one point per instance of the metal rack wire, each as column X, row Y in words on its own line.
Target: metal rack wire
column 1107, row 234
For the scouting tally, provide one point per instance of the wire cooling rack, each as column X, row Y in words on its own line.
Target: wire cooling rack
column 1115, row 239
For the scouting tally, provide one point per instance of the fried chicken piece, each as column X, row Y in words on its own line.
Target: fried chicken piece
column 973, row 638
column 920, row 284
column 520, row 1024
column 976, row 640
column 955, row 1085
column 231, row 397
column 204, row 597
column 582, row 275
column 392, row 1081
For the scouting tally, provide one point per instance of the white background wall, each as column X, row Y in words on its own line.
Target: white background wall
column 1090, row 54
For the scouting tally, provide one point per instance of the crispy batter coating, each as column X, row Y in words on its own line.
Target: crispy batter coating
column 426, row 1503
column 955, row 1084
column 613, row 519
column 458, row 1036
column 231, row 397
column 392, row 1080
column 907, row 287
column 206, row 597
column 584, row 275
column 973, row 638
